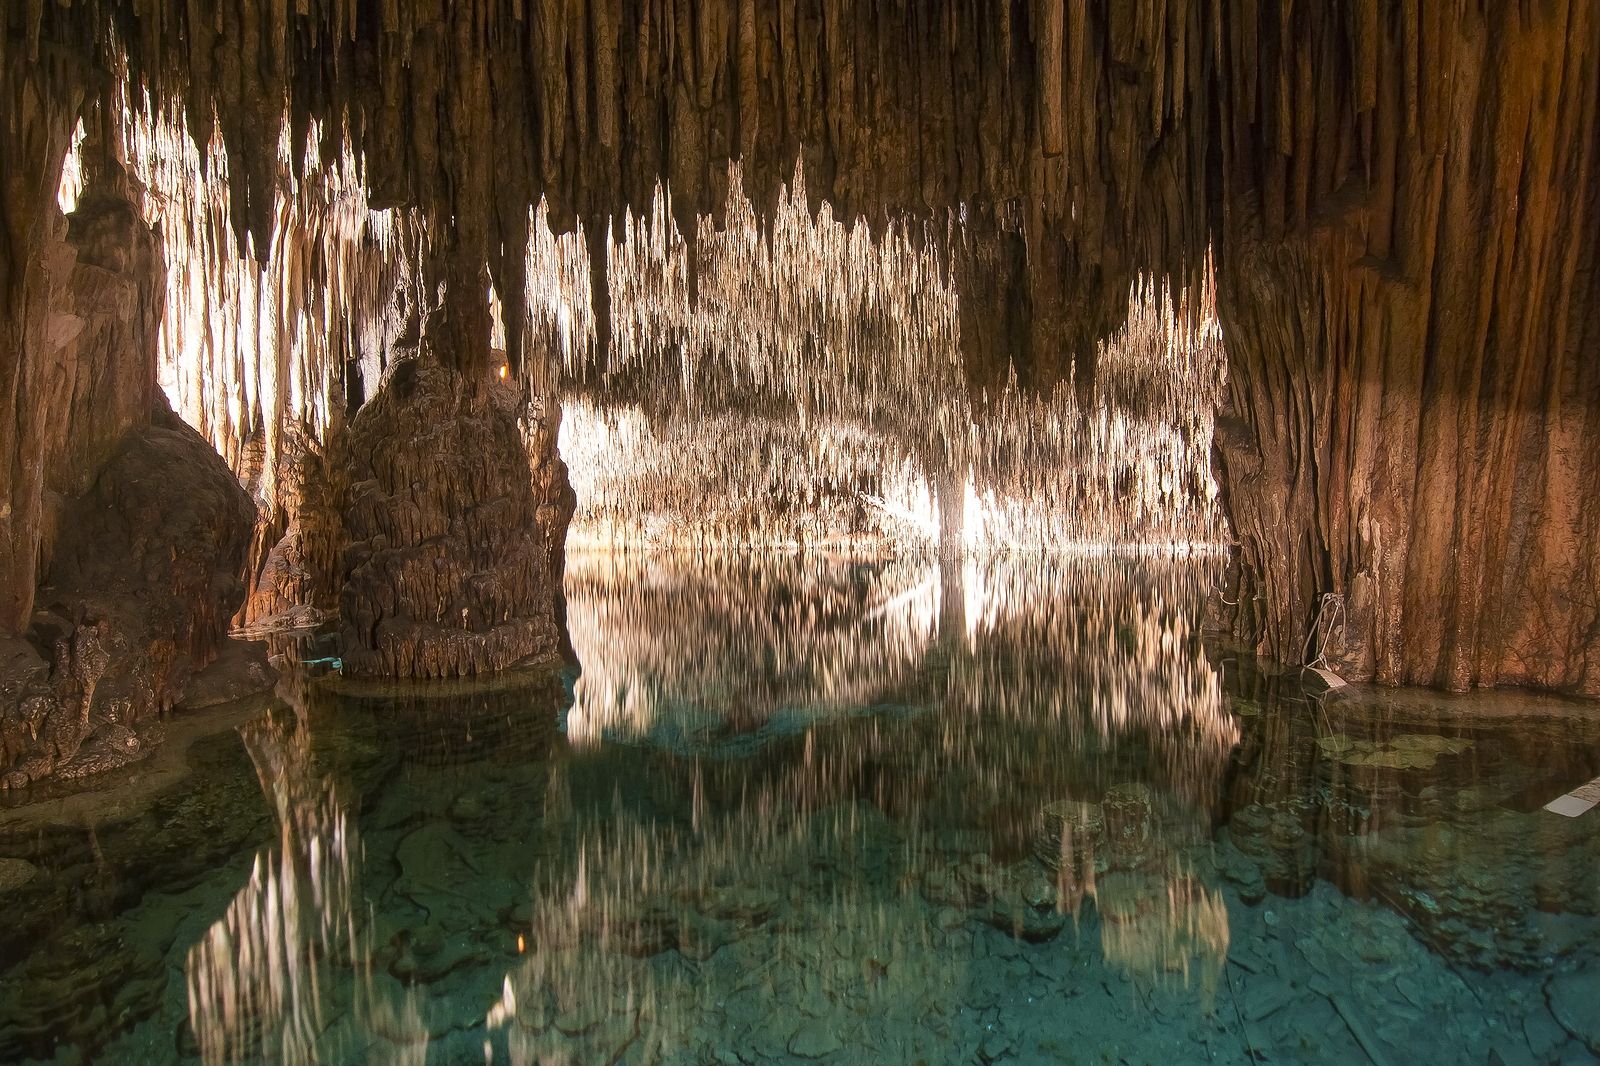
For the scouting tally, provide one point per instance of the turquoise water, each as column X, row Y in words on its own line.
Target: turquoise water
column 820, row 810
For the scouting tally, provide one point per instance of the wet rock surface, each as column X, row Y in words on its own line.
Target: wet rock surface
column 14, row 873
column 138, row 597
column 1573, row 997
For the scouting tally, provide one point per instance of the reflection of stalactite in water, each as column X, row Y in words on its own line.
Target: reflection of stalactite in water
column 1106, row 647
column 737, row 635
column 856, row 830
column 587, row 990
column 1164, row 926
column 443, row 724
column 257, row 978
column 261, row 978
column 1112, row 645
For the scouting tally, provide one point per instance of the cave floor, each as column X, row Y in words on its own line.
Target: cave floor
column 790, row 809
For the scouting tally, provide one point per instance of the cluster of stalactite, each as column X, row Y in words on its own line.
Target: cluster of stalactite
column 256, row 343
column 821, row 335
column 1126, row 461
column 802, row 312
column 474, row 111
column 724, row 480
column 812, row 390
column 559, row 330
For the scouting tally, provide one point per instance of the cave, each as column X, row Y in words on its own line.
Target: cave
column 610, row 531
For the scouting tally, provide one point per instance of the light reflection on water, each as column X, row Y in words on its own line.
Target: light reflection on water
column 258, row 971
column 800, row 807
column 1109, row 644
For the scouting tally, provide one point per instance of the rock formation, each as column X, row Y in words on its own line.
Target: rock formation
column 1412, row 312
column 143, row 582
column 295, row 541
column 136, row 526
column 1401, row 198
column 450, row 561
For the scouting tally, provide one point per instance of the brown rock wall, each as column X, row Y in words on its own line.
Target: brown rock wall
column 144, row 580
column 1411, row 444
column 124, row 532
column 36, row 266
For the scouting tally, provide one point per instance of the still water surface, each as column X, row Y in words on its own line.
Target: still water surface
column 810, row 809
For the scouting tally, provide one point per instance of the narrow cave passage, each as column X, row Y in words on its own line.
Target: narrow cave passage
column 714, row 531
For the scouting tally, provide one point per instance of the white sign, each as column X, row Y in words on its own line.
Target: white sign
column 1577, row 801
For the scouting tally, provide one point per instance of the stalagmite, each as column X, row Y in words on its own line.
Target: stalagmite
column 445, row 567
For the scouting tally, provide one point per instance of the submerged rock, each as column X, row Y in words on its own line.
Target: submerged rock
column 1575, row 1001
column 14, row 873
column 814, row 1040
column 1071, row 836
column 1127, row 813
column 241, row 670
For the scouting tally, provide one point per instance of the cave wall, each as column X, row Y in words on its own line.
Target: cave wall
column 1411, row 443
column 36, row 321
column 128, row 531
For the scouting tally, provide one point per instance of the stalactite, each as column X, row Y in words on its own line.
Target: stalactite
column 558, row 303
column 542, row 85
column 253, row 343
column 835, row 361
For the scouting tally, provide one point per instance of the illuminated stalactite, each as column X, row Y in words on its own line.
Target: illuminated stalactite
column 256, row 342
column 806, row 324
column 472, row 112
column 812, row 391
